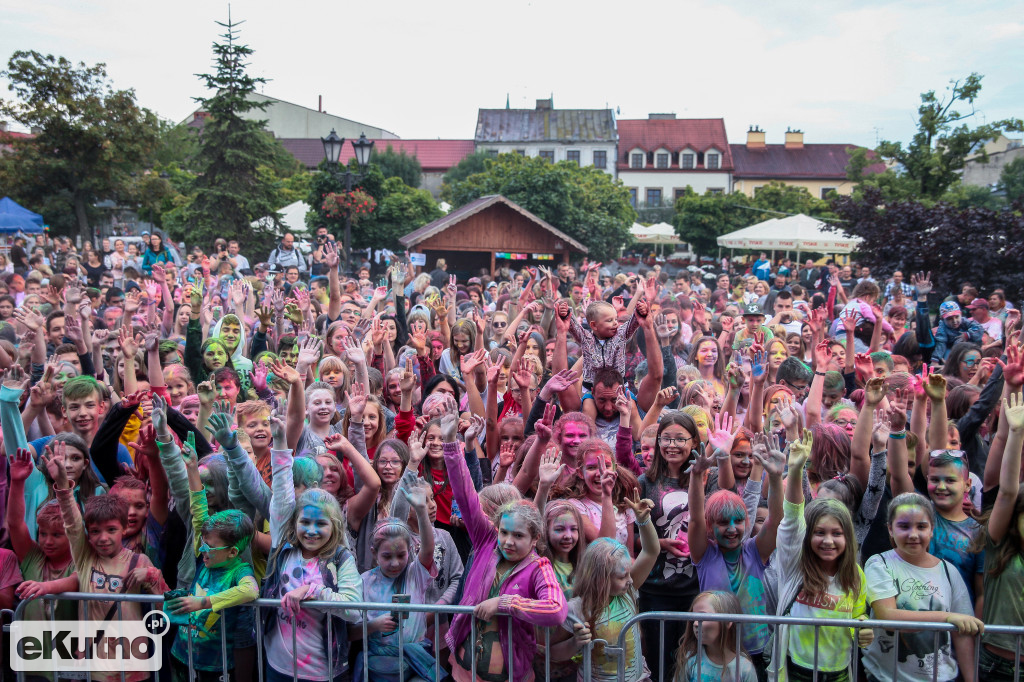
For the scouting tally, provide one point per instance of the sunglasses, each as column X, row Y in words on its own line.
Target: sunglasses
column 959, row 454
column 206, row 548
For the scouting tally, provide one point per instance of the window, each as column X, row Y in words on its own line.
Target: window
column 632, row 196
column 758, row 188
column 653, row 198
column 493, row 153
column 678, row 192
column 548, row 155
column 716, row 190
column 636, row 160
column 573, row 155
column 600, row 159
column 825, row 191
column 521, row 152
column 661, row 160
column 686, row 161
column 712, row 160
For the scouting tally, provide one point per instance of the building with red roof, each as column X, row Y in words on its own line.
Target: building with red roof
column 436, row 157
column 820, row 168
column 660, row 156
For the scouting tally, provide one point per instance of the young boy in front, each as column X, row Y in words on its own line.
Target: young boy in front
column 103, row 564
column 222, row 580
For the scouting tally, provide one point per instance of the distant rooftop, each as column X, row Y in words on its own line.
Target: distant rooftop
column 433, row 155
column 810, row 161
column 545, row 124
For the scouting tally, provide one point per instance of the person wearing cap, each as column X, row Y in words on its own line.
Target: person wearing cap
column 952, row 329
column 753, row 322
column 992, row 326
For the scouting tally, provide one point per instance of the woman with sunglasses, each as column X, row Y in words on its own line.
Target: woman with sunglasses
column 963, row 361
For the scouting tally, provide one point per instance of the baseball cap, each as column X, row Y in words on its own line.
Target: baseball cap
column 978, row 303
column 752, row 309
column 948, row 309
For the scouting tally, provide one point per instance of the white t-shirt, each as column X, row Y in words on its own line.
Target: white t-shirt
column 592, row 510
column 309, row 641
column 939, row 588
column 994, row 328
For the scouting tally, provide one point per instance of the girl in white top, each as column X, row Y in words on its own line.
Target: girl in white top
column 908, row 583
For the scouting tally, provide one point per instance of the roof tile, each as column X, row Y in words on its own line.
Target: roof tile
column 545, row 125
column 825, row 161
column 674, row 134
column 433, row 155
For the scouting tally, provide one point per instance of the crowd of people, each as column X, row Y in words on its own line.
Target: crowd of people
column 559, row 449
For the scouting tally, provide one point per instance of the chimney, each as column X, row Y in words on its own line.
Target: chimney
column 755, row 138
column 661, row 117
column 320, row 103
column 794, row 139
column 545, row 104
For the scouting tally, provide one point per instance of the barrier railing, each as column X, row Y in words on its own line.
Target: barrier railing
column 616, row 650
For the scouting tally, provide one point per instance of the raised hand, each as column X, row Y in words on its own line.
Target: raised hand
column 309, row 352
column 523, row 376
column 721, row 438
column 278, row 432
column 471, row 362
column 221, row 420
column 353, row 352
column 15, row 377
column 477, row 425
column 874, row 390
column 542, row 426
column 642, row 508
column 759, row 365
column 702, row 461
column 665, row 396
column 258, row 376
column 129, row 344
column 799, row 452
column 449, row 419
column 265, row 316
column 54, row 456
column 206, row 392
column 1013, row 368
column 787, row 414
column 881, row 430
column 623, row 404
column 417, row 450
column 551, row 467
column 936, row 387
column 822, row 356
column 727, row 322
column 923, row 283
column 355, row 397
column 21, row 465
column 771, row 456
column 159, row 417
column 1013, row 412
column 561, row 381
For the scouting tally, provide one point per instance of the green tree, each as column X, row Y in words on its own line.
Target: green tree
column 398, row 164
column 932, row 160
column 471, row 165
column 585, row 203
column 1011, row 181
column 90, row 139
column 400, row 210
column 702, row 219
column 789, row 199
column 238, row 165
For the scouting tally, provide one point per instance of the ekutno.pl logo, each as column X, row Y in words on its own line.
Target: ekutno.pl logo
column 90, row 645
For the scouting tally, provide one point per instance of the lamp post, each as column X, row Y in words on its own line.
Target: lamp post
column 332, row 154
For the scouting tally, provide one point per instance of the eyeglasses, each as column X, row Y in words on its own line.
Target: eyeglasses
column 668, row 440
column 845, row 422
column 206, row 548
column 385, row 464
column 499, row 325
column 956, row 454
column 972, row 362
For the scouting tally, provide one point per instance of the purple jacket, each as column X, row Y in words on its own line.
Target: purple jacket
column 531, row 594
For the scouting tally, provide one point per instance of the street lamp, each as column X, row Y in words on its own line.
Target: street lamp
column 332, row 155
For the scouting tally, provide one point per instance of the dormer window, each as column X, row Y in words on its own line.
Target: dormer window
column 661, row 160
column 687, row 160
column 712, row 160
column 636, row 160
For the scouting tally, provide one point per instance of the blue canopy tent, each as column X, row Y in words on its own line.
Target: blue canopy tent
column 16, row 218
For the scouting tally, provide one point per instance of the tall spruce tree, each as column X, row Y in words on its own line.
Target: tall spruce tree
column 232, row 187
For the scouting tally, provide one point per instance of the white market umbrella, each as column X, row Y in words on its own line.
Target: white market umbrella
column 792, row 233
column 659, row 233
column 293, row 219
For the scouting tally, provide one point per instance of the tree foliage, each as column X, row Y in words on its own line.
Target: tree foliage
column 931, row 162
column 702, row 219
column 585, row 203
column 1011, row 181
column 471, row 165
column 90, row 139
column 238, row 165
column 974, row 244
column 398, row 164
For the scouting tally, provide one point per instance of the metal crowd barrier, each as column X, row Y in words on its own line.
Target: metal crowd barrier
column 615, row 650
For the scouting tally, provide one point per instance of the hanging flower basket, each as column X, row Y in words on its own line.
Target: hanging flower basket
column 353, row 205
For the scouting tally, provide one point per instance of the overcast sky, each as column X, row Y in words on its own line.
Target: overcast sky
column 842, row 71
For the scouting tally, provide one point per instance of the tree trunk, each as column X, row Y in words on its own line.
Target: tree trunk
column 84, row 229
